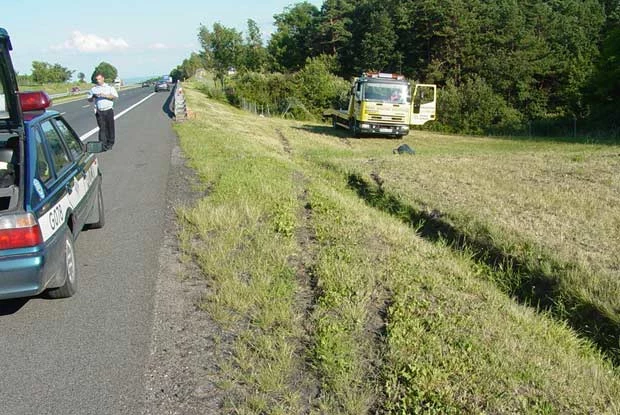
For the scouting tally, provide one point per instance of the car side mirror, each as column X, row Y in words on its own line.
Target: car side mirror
column 94, row 147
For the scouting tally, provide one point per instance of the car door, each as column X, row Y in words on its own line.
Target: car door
column 64, row 185
column 48, row 202
column 85, row 170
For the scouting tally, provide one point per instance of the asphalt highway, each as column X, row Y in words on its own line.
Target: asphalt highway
column 87, row 354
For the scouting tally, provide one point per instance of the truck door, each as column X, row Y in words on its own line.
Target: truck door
column 424, row 104
column 358, row 94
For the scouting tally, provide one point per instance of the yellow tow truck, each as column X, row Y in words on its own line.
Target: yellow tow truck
column 385, row 104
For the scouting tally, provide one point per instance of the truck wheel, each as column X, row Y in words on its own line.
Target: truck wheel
column 70, row 269
column 355, row 133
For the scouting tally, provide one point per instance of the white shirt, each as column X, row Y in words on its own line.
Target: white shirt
column 103, row 104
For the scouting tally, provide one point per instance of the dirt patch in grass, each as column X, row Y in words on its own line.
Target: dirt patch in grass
column 306, row 290
column 285, row 143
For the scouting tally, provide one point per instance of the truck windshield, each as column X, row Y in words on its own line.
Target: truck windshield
column 394, row 93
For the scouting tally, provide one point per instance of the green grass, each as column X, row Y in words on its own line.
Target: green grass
column 56, row 88
column 349, row 280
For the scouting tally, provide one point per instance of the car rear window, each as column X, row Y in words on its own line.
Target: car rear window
column 57, row 150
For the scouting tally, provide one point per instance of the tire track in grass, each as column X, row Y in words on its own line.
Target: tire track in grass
column 307, row 291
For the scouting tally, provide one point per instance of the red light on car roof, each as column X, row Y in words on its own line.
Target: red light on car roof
column 34, row 101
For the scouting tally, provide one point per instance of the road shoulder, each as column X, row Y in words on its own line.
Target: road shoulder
column 180, row 377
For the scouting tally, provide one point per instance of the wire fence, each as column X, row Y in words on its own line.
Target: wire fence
column 259, row 109
column 290, row 107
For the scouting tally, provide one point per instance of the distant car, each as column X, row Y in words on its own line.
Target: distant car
column 75, row 90
column 162, row 86
column 50, row 188
column 146, row 84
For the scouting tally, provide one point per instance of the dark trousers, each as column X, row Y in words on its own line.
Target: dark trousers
column 105, row 121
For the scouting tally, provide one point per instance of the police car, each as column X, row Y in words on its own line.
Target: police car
column 50, row 189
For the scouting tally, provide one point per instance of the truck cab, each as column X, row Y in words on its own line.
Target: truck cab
column 386, row 104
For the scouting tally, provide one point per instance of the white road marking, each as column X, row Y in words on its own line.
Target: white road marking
column 117, row 116
column 86, row 106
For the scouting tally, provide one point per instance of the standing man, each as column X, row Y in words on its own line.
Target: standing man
column 104, row 95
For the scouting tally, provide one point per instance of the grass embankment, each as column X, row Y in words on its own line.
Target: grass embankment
column 543, row 217
column 330, row 305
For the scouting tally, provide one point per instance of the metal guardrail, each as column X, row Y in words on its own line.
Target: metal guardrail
column 84, row 91
column 179, row 105
column 64, row 94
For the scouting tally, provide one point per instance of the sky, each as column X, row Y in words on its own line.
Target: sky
column 141, row 38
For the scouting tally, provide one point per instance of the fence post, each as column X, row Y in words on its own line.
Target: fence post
column 574, row 126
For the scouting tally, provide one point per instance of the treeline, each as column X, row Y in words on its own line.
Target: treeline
column 44, row 73
column 47, row 73
column 500, row 65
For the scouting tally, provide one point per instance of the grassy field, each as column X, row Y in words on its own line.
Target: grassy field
column 480, row 275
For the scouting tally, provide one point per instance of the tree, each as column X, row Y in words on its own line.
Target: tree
column 255, row 54
column 223, row 46
column 107, row 70
column 296, row 36
column 43, row 72
column 604, row 88
column 377, row 48
column 81, row 76
column 334, row 26
column 188, row 68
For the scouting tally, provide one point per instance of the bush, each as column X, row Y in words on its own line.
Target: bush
column 317, row 87
column 271, row 90
column 213, row 92
column 474, row 108
column 303, row 95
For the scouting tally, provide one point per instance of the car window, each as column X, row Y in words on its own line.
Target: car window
column 73, row 143
column 9, row 116
column 4, row 113
column 58, row 152
column 42, row 172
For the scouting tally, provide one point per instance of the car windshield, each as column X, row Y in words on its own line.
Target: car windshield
column 386, row 92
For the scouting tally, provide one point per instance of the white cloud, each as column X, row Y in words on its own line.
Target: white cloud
column 158, row 46
column 91, row 43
